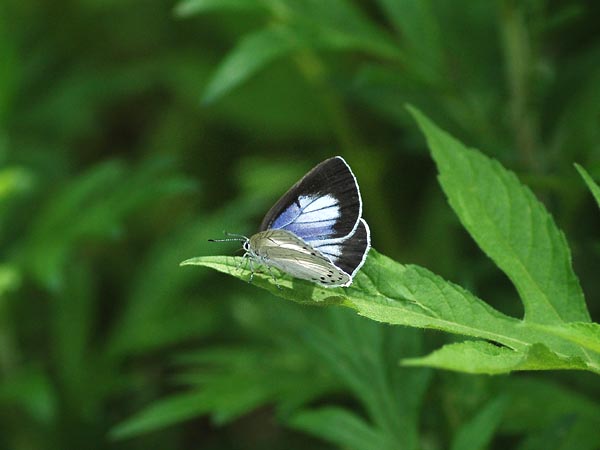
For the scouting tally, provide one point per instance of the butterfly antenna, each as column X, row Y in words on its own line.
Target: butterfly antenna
column 233, row 238
column 235, row 235
column 228, row 240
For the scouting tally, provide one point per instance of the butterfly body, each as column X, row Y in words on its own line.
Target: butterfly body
column 315, row 230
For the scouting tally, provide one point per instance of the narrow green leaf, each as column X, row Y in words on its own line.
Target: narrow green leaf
column 93, row 205
column 511, row 226
column 188, row 8
column 478, row 432
column 253, row 52
column 340, row 427
column 483, row 357
column 33, row 391
column 416, row 22
column 339, row 24
column 166, row 412
column 538, row 402
column 591, row 184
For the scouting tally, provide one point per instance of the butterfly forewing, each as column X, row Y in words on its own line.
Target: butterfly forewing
column 285, row 251
column 324, row 204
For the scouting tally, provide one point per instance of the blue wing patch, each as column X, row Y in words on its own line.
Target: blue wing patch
column 310, row 217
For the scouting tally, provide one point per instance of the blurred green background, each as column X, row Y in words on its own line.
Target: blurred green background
column 133, row 131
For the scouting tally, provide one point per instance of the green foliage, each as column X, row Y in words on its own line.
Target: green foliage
column 533, row 252
column 478, row 432
column 591, row 184
column 112, row 172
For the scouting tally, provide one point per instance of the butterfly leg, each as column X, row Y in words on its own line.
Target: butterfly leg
column 251, row 264
column 274, row 277
column 244, row 259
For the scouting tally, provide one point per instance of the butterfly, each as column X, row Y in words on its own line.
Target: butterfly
column 315, row 230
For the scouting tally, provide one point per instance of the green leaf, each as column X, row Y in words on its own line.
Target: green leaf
column 14, row 180
column 188, row 8
column 163, row 413
column 341, row 427
column 289, row 288
column 253, row 52
column 416, row 22
column 363, row 356
column 10, row 280
column 511, row 226
column 338, row 24
column 585, row 334
column 539, row 402
column 591, row 184
column 386, row 291
column 93, row 205
column 335, row 24
column 226, row 383
column 483, row 357
column 478, row 432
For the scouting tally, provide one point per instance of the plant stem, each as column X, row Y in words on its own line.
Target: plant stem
column 518, row 57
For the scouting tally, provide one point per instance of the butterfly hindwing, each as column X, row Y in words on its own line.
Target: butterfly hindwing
column 349, row 253
column 324, row 204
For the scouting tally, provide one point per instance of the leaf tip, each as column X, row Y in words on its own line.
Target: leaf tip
column 188, row 262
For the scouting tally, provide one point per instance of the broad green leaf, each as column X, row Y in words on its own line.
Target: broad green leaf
column 341, row 427
column 591, row 184
column 253, row 52
column 290, row 289
column 585, row 334
column 187, row 8
column 478, row 432
column 511, row 226
column 483, row 357
column 393, row 293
